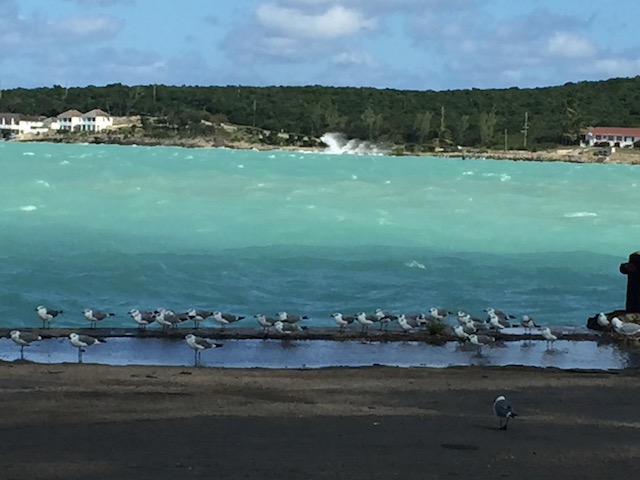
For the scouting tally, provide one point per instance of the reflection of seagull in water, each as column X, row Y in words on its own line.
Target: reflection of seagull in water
column 342, row 321
column 198, row 344
column 503, row 410
column 95, row 316
column 603, row 321
column 528, row 323
column 264, row 321
column 627, row 329
column 81, row 342
column 548, row 336
column 24, row 339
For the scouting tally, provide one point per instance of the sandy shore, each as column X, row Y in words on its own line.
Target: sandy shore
column 87, row 421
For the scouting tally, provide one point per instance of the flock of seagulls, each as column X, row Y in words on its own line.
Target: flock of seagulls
column 476, row 331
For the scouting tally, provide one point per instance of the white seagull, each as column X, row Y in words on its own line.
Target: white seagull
column 285, row 317
column 95, row 316
column 81, row 342
column 142, row 317
column 198, row 316
column 438, row 313
column 603, row 321
column 198, row 344
column 264, row 321
column 495, row 322
column 503, row 410
column 480, row 340
column 24, row 339
column 528, row 323
column 342, row 321
column 548, row 336
column 46, row 315
column 402, row 321
column 365, row 320
column 460, row 333
column 627, row 329
column 224, row 319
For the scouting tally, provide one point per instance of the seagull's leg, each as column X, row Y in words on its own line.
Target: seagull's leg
column 22, row 352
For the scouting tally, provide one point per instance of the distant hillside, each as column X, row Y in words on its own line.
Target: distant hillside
column 420, row 120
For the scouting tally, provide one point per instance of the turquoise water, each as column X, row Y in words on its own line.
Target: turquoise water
column 115, row 228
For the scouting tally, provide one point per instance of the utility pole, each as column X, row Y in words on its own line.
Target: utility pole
column 255, row 106
column 505, row 140
column 525, row 128
column 154, row 92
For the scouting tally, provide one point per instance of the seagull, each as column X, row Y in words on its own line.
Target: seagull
column 480, row 340
column 365, row 320
column 342, row 321
column 198, row 316
column 627, row 329
column 383, row 317
column 264, row 321
column 549, row 337
column 284, row 317
column 438, row 313
column 82, row 342
column 47, row 314
column 503, row 409
column 142, row 317
column 460, row 332
column 402, row 320
column 95, row 316
column 528, row 323
column 224, row 319
column 286, row 328
column 501, row 315
column 169, row 319
column 24, row 339
column 495, row 322
column 198, row 344
column 603, row 321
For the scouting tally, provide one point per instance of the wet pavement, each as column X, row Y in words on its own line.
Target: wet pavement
column 590, row 354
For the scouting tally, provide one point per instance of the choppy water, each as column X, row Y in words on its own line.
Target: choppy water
column 115, row 228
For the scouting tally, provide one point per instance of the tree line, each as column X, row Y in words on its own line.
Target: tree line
column 518, row 118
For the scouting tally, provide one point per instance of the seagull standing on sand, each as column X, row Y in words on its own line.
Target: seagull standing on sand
column 365, row 320
column 438, row 313
column 627, row 329
column 198, row 344
column 503, row 317
column 503, row 410
column 142, row 318
column 603, row 321
column 402, row 321
column 528, row 323
column 548, row 336
column 480, row 340
column 198, row 316
column 384, row 318
column 342, row 321
column 264, row 321
column 24, row 339
column 285, row 317
column 81, row 342
column 460, row 333
column 224, row 319
column 46, row 315
column 95, row 316
column 495, row 322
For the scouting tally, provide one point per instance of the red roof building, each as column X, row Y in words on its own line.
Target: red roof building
column 614, row 136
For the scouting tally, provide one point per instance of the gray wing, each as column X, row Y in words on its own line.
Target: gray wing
column 203, row 342
column 29, row 337
column 87, row 340
column 502, row 408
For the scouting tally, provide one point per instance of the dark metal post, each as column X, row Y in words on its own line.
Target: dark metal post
column 632, row 270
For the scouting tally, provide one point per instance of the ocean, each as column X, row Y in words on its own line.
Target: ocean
column 246, row 232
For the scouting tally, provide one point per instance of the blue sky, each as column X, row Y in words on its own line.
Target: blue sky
column 406, row 44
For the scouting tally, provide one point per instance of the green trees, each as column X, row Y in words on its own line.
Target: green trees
column 465, row 117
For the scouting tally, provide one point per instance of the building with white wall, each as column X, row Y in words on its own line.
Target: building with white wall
column 614, row 136
column 92, row 121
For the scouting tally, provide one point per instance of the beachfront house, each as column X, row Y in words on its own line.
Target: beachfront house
column 614, row 136
column 92, row 121
column 18, row 124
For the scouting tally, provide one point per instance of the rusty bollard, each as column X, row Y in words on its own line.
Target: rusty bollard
column 632, row 270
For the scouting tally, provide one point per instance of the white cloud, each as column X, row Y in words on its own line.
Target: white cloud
column 564, row 44
column 335, row 22
column 91, row 26
column 354, row 59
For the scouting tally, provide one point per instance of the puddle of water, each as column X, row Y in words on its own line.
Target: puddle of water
column 271, row 353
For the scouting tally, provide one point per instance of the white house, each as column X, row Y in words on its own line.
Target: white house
column 614, row 136
column 92, row 121
column 19, row 124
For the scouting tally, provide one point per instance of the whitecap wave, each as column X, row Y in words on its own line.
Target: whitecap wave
column 415, row 264
column 339, row 144
column 28, row 208
column 580, row 214
column 28, row 154
column 44, row 183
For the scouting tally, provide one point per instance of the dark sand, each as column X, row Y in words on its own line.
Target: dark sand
column 99, row 422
